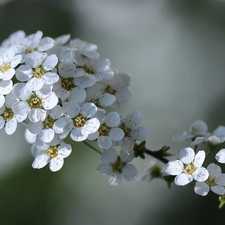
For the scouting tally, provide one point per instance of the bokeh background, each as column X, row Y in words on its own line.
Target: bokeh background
column 174, row 51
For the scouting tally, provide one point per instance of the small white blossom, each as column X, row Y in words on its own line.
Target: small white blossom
column 82, row 119
column 52, row 153
column 198, row 128
column 215, row 182
column 220, row 156
column 188, row 167
column 117, row 167
column 34, row 104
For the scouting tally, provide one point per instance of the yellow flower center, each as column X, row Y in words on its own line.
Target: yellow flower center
column 79, row 121
column 35, row 102
column 39, row 72
column 48, row 122
column 189, row 168
column 118, row 165
column 5, row 67
column 210, row 181
column 67, row 83
column 109, row 90
column 103, row 130
column 88, row 69
column 8, row 114
column 52, row 151
column 125, row 129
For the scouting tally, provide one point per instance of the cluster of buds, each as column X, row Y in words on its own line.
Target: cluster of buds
column 65, row 93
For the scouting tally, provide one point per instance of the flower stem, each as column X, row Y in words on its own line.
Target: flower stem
column 157, row 155
column 93, row 148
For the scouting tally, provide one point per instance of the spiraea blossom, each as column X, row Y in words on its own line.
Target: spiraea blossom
column 66, row 93
column 117, row 167
column 215, row 182
column 188, row 167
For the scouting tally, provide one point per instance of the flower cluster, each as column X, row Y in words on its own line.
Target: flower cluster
column 65, row 93
column 188, row 166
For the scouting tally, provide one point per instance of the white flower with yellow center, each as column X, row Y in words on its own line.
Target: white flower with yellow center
column 52, row 153
column 8, row 61
column 215, row 182
column 38, row 70
column 34, row 103
column 117, row 167
column 9, row 119
column 188, row 167
column 82, row 119
column 108, row 130
column 34, row 42
column 96, row 70
column 133, row 130
column 198, row 129
column 53, row 124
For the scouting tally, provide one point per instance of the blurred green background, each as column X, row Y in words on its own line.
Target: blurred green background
column 174, row 51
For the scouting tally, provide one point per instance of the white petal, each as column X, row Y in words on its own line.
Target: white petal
column 199, row 159
column 112, row 119
column 183, row 179
column 107, row 100
column 59, row 125
column 67, row 68
column 109, row 156
column 123, row 95
column 56, row 164
column 34, row 59
column 134, row 119
column 219, row 132
column 77, row 135
column 35, row 84
column 16, row 60
column 64, row 150
column 50, row 102
column 140, row 133
column 200, row 174
column 187, row 155
column 126, row 157
column 105, row 168
column 214, row 170
column 45, row 44
column 35, row 128
column 201, row 188
column 10, row 126
column 88, row 109
column 78, row 95
column 116, row 134
column 24, row 73
column 50, row 62
column 220, row 179
column 174, row 167
column 183, row 136
column 30, row 138
column 2, row 100
column 46, row 135
column 199, row 127
column 220, row 156
column 91, row 126
column 129, row 172
column 50, row 78
column 21, row 91
column 198, row 141
column 40, row 161
column 36, row 115
column 218, row 189
column 104, row 142
column 115, row 179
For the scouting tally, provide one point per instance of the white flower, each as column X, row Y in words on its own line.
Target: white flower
column 215, row 182
column 82, row 119
column 34, row 104
column 188, row 167
column 198, row 128
column 118, row 86
column 220, row 156
column 133, row 130
column 83, row 48
column 216, row 138
column 52, row 153
column 34, row 42
column 117, row 167
column 9, row 119
column 8, row 61
column 108, row 131
column 38, row 70
column 95, row 69
column 53, row 124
